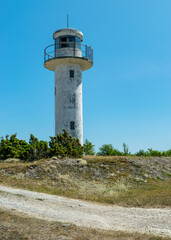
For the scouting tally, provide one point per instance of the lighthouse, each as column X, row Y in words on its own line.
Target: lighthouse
column 68, row 58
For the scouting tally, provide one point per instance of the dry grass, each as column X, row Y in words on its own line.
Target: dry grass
column 151, row 194
column 109, row 180
column 16, row 227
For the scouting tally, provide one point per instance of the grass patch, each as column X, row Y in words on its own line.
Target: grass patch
column 39, row 199
column 16, row 227
column 150, row 194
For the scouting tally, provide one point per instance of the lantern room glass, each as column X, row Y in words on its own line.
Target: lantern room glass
column 67, row 42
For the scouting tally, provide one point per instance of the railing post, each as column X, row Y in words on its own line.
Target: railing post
column 55, row 50
column 44, row 54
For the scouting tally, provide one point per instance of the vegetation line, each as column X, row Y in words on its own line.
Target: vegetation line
column 63, row 145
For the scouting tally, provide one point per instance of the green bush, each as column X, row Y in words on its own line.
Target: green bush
column 88, row 148
column 39, row 149
column 12, row 147
column 153, row 153
column 167, row 153
column 62, row 145
column 141, row 153
column 65, row 146
column 108, row 150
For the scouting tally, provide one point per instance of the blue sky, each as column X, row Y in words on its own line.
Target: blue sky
column 127, row 93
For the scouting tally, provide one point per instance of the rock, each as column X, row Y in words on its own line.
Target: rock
column 66, row 225
column 112, row 175
column 81, row 161
column 20, row 176
column 12, row 160
column 62, row 237
column 54, row 158
column 53, row 166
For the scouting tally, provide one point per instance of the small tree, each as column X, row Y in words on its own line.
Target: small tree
column 125, row 149
column 88, row 148
column 108, row 150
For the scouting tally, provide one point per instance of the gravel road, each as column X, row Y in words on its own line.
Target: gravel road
column 49, row 207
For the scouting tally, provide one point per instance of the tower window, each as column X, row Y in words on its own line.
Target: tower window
column 72, row 125
column 71, row 73
column 68, row 41
column 63, row 42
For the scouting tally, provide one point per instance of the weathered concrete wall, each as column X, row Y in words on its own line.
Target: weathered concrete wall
column 68, row 100
column 68, row 52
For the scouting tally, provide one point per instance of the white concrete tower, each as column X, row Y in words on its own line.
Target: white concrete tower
column 68, row 58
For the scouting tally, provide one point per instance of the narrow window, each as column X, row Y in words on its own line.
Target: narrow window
column 72, row 125
column 56, row 43
column 71, row 73
column 78, row 43
column 71, row 41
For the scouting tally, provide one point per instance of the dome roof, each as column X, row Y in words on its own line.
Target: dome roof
column 68, row 32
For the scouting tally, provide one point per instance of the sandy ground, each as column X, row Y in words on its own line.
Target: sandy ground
column 44, row 206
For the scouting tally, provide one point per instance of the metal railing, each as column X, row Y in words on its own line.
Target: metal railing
column 73, row 50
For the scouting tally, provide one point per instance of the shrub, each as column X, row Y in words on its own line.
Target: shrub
column 65, row 146
column 12, row 147
column 88, row 148
column 141, row 153
column 153, row 153
column 62, row 145
column 108, row 150
column 39, row 149
column 167, row 153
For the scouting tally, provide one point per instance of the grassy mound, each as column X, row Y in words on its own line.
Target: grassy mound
column 126, row 181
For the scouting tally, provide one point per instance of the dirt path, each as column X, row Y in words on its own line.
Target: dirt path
column 81, row 213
